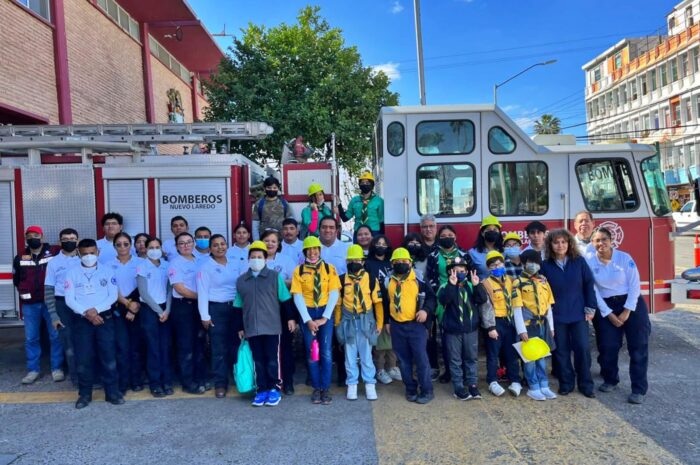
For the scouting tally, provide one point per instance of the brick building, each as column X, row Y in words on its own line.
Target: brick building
column 102, row 61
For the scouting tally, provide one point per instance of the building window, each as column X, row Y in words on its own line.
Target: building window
column 667, row 118
column 696, row 60
column 688, row 110
column 607, row 185
column 689, row 17
column 596, row 74
column 168, row 60
column 518, row 189
column 500, row 142
column 395, row 138
column 652, row 79
column 623, row 94
column 40, row 7
column 664, row 76
column 618, row 60
column 446, row 190
column 674, row 70
column 655, row 117
column 121, row 17
column 445, row 137
column 676, row 112
column 684, row 65
column 633, row 89
column 671, row 23
column 644, row 84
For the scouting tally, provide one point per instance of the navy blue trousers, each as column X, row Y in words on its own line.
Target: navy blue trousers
column 89, row 339
column 573, row 337
column 158, row 348
column 636, row 331
column 187, row 331
column 409, row 341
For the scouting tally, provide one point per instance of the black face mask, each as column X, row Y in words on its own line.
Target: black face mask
column 365, row 188
column 271, row 193
column 446, row 242
column 354, row 268
column 415, row 249
column 34, row 243
column 491, row 236
column 380, row 251
column 401, row 268
column 69, row 246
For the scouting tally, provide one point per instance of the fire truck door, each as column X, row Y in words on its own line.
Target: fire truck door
column 8, row 306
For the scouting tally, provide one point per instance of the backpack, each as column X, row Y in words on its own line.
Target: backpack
column 261, row 205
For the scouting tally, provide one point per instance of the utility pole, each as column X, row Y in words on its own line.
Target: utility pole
column 419, row 49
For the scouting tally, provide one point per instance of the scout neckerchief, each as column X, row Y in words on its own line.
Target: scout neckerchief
column 447, row 257
column 502, row 286
column 364, row 214
column 531, row 280
column 397, row 290
column 317, row 280
column 358, row 297
column 464, row 296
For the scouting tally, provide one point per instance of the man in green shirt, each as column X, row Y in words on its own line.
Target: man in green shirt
column 366, row 208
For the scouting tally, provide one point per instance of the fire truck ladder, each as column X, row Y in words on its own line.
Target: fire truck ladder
column 120, row 138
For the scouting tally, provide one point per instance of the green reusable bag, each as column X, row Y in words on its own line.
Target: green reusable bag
column 244, row 369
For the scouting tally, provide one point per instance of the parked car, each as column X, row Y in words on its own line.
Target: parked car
column 686, row 216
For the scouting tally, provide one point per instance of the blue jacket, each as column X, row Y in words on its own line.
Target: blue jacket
column 461, row 316
column 572, row 288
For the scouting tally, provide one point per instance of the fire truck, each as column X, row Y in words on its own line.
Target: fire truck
column 458, row 163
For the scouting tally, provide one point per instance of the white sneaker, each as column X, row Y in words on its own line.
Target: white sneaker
column 515, row 389
column 30, row 377
column 548, row 393
column 370, row 392
column 496, row 389
column 395, row 373
column 352, row 392
column 58, row 375
column 383, row 377
column 535, row 394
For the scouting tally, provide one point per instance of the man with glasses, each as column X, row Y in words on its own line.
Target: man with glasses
column 428, row 231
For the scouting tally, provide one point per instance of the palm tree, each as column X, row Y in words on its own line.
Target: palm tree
column 548, row 124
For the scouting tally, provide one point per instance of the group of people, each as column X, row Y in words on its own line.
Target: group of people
column 122, row 307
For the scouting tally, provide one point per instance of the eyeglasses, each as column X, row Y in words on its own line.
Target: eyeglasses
column 428, row 226
column 122, row 245
column 186, row 243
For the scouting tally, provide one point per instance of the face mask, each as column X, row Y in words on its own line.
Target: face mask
column 69, row 246
column 89, row 260
column 354, row 268
column 512, row 252
column 381, row 251
column 256, row 264
column 271, row 193
column 401, row 268
column 491, row 236
column 461, row 276
column 154, row 254
column 532, row 268
column 498, row 272
column 365, row 188
column 313, row 261
column 202, row 243
column 414, row 249
column 446, row 242
column 34, row 243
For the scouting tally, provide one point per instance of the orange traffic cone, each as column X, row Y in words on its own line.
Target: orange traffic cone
column 696, row 246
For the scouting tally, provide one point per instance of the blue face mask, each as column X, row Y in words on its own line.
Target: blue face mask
column 498, row 272
column 511, row 252
column 461, row 276
column 202, row 243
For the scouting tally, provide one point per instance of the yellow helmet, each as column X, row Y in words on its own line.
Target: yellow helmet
column 257, row 245
column 400, row 254
column 367, row 176
column 535, row 348
column 512, row 236
column 315, row 188
column 355, row 252
column 494, row 254
column 490, row 221
column 310, row 242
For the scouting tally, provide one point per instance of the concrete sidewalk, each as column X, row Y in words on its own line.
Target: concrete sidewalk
column 40, row 425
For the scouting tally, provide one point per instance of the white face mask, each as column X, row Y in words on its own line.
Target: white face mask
column 89, row 260
column 154, row 254
column 256, row 264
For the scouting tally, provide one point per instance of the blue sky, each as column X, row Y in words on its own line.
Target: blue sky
column 471, row 44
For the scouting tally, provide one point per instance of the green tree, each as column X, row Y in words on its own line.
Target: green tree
column 302, row 80
column 548, row 124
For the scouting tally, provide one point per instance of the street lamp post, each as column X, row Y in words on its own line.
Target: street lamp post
column 496, row 86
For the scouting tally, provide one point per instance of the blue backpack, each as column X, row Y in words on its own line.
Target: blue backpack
column 261, row 205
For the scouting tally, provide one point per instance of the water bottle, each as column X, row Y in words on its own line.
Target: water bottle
column 315, row 357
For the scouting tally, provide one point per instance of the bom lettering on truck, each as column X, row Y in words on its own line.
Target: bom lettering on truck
column 192, row 201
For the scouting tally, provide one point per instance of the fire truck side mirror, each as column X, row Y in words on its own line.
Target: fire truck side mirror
column 696, row 194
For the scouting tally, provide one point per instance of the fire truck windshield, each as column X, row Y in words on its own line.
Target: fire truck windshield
column 654, row 181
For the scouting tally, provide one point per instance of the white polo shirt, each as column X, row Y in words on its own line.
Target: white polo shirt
column 108, row 251
column 336, row 255
column 294, row 251
column 87, row 288
column 156, row 279
column 170, row 249
column 56, row 271
column 619, row 277
column 238, row 254
column 183, row 271
column 283, row 265
column 125, row 274
column 216, row 283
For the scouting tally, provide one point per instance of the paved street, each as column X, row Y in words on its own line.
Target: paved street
column 40, row 425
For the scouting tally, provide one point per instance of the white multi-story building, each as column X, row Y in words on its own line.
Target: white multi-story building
column 648, row 90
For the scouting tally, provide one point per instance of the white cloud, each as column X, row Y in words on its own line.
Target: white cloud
column 510, row 108
column 526, row 123
column 390, row 69
column 396, row 7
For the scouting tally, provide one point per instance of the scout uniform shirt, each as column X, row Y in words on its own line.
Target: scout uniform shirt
column 369, row 211
column 362, row 301
column 536, row 298
column 403, row 297
column 87, row 288
column 315, row 283
column 504, row 296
